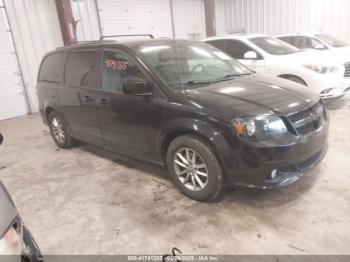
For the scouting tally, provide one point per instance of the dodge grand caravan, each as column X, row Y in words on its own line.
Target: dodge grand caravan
column 186, row 105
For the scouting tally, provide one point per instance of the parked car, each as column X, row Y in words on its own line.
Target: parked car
column 328, row 44
column 266, row 54
column 185, row 105
column 318, row 41
column 16, row 241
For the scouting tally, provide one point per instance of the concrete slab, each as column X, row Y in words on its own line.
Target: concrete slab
column 89, row 201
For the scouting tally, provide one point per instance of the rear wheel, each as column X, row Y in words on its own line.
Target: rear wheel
column 195, row 168
column 59, row 131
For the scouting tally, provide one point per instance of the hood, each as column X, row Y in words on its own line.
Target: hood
column 309, row 56
column 344, row 50
column 342, row 54
column 256, row 94
column 336, row 54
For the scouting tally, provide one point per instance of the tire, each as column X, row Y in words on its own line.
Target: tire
column 59, row 132
column 294, row 79
column 186, row 176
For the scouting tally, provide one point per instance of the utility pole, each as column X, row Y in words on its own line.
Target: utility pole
column 210, row 20
column 67, row 22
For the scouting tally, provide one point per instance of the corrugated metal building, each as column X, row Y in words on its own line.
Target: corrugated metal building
column 284, row 16
column 30, row 28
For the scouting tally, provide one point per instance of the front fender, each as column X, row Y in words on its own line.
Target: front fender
column 214, row 135
column 193, row 126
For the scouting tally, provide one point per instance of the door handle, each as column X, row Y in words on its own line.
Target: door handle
column 104, row 101
column 88, row 99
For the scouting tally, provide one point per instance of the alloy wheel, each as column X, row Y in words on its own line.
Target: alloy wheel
column 57, row 130
column 190, row 169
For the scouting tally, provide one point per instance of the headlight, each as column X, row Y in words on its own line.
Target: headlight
column 10, row 244
column 326, row 91
column 322, row 69
column 263, row 129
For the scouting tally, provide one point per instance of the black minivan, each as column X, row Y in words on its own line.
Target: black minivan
column 185, row 105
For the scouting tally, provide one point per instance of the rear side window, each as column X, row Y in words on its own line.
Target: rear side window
column 81, row 69
column 302, row 42
column 51, row 68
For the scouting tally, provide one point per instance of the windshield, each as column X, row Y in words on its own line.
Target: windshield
column 274, row 46
column 332, row 41
column 187, row 65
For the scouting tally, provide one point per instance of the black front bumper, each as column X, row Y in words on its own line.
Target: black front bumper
column 253, row 165
column 294, row 172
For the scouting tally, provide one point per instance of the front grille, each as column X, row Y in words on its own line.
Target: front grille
column 347, row 69
column 308, row 120
column 309, row 127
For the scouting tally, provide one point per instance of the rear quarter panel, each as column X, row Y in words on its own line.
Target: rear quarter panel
column 47, row 96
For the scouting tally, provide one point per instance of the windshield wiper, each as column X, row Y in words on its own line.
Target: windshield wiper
column 229, row 76
column 192, row 83
column 196, row 82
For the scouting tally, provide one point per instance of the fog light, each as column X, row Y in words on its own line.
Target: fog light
column 273, row 173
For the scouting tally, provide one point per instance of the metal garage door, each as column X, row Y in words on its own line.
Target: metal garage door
column 35, row 30
column 135, row 17
column 189, row 19
column 85, row 12
column 12, row 96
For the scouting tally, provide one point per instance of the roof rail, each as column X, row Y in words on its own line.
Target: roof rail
column 82, row 42
column 237, row 31
column 110, row 36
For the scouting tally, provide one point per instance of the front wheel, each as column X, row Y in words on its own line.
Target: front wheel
column 194, row 168
column 59, row 131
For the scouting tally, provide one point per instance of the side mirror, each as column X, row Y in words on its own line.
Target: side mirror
column 250, row 55
column 1, row 138
column 136, row 87
column 319, row 47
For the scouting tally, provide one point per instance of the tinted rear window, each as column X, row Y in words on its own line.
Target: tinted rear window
column 51, row 68
column 81, row 69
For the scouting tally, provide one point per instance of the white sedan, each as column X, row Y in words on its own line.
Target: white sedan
column 265, row 54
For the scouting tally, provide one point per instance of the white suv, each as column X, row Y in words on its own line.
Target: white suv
column 326, row 43
column 270, row 55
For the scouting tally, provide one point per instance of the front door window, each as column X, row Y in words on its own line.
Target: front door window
column 116, row 69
